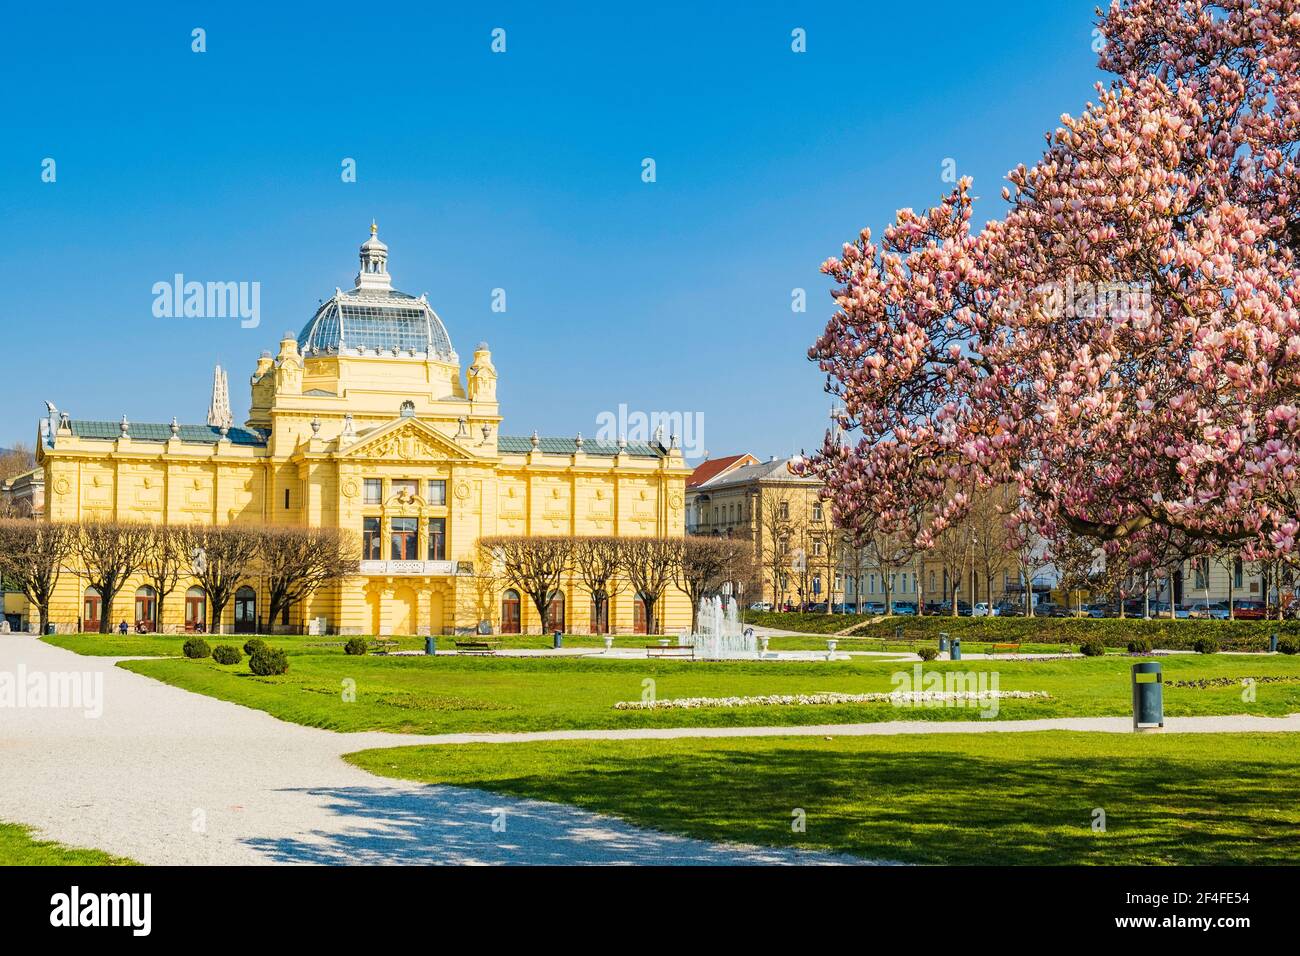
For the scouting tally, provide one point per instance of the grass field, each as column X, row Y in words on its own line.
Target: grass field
column 18, row 848
column 951, row 798
column 457, row 694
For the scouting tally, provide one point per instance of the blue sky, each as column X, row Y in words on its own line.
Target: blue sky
column 519, row 171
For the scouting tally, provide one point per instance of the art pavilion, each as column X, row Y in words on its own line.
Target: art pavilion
column 366, row 420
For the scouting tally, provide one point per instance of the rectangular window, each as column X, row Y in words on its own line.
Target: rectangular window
column 784, row 511
column 286, row 499
column 437, row 539
column 1236, row 572
column 409, row 486
column 438, row 491
column 374, row 491
column 405, row 539
column 817, row 511
column 370, row 539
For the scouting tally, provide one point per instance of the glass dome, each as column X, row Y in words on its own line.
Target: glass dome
column 375, row 321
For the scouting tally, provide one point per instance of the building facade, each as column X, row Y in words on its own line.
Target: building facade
column 366, row 420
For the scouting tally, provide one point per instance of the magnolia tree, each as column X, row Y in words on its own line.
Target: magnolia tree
column 1123, row 346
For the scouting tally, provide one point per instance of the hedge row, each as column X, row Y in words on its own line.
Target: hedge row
column 1113, row 632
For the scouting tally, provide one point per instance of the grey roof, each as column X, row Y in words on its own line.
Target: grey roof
column 763, row 471
column 143, row 431
column 382, row 321
column 520, row 445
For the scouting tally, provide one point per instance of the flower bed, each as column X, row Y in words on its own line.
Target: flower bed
column 804, row 700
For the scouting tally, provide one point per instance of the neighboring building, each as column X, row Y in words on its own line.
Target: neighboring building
column 366, row 420
column 23, row 496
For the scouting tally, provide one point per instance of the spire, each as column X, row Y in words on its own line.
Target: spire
column 219, row 415
column 374, row 263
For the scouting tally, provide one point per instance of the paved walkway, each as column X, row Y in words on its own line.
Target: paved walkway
column 165, row 776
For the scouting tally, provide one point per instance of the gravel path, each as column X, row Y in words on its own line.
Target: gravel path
column 165, row 776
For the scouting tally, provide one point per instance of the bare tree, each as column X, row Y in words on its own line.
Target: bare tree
column 298, row 562
column 219, row 557
column 706, row 565
column 991, row 543
column 889, row 553
column 596, row 560
column 110, row 553
column 535, row 565
column 650, row 564
column 774, row 530
column 32, row 557
column 163, row 565
column 952, row 551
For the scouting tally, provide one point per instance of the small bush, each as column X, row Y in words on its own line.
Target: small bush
column 355, row 646
column 927, row 653
column 226, row 654
column 1141, row 646
column 268, row 661
column 195, row 648
column 1288, row 646
column 1206, row 645
column 253, row 645
column 1092, row 648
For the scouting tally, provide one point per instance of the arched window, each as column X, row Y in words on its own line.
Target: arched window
column 91, row 605
column 555, row 612
column 146, row 608
column 510, row 612
column 245, row 611
column 196, row 610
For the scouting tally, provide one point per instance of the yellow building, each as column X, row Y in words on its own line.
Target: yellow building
column 366, row 420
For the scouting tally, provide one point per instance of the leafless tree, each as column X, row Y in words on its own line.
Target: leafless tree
column 110, row 553
column 706, row 565
column 991, row 543
column 535, row 565
column 889, row 552
column 298, row 562
column 774, row 532
column 596, row 561
column 650, row 564
column 164, row 563
column 32, row 557
column 219, row 557
column 952, row 549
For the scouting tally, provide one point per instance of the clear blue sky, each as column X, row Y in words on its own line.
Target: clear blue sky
column 520, row 171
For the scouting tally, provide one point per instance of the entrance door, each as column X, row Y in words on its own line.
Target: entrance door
column 510, row 612
column 245, row 611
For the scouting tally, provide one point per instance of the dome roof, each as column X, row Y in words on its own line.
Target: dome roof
column 376, row 319
column 376, row 322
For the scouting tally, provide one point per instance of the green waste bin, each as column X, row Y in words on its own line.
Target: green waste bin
column 431, row 645
column 956, row 649
column 1148, row 697
column 943, row 641
column 51, row 628
column 559, row 640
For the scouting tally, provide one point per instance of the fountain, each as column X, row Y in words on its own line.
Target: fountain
column 719, row 634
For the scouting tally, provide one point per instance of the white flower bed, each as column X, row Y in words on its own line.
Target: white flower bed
column 802, row 700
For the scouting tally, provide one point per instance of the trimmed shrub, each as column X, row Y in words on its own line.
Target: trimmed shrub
column 1091, row 647
column 253, row 645
column 1205, row 645
column 1141, row 646
column 1288, row 646
column 355, row 646
column 196, row 648
column 268, row 661
column 927, row 653
column 226, row 654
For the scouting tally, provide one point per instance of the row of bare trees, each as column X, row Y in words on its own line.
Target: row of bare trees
column 293, row 563
column 697, row 566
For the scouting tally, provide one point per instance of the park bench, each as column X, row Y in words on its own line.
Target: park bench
column 1009, row 648
column 670, row 650
column 477, row 647
column 382, row 646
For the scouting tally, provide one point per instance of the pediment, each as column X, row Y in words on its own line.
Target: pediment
column 405, row 440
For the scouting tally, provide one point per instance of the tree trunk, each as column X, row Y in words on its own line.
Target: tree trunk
column 105, row 613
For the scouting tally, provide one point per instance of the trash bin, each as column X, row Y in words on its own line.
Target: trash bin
column 559, row 640
column 956, row 649
column 50, row 628
column 1148, row 697
column 1272, row 644
column 943, row 641
column 431, row 645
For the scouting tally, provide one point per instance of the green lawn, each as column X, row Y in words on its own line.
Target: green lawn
column 17, row 848
column 953, row 798
column 454, row 694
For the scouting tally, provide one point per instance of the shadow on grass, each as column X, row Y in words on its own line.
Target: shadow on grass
column 455, row 825
column 916, row 803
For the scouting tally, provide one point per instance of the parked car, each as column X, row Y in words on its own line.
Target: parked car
column 819, row 608
column 1049, row 609
column 761, row 606
column 1210, row 610
column 1249, row 610
column 982, row 609
column 905, row 607
column 963, row 609
column 1008, row 609
column 1094, row 609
